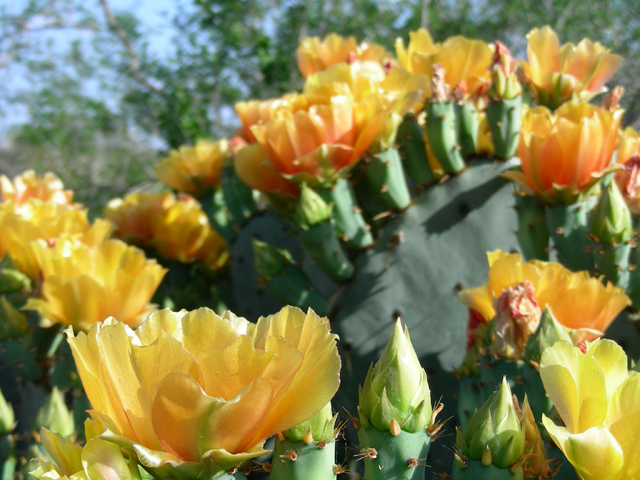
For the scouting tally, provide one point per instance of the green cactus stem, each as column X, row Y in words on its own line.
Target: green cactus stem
column 13, row 323
column 612, row 261
column 347, row 216
column 385, row 174
column 318, row 236
column 567, row 226
column 284, row 280
column 387, row 456
column 475, row 470
column 504, row 118
column 237, row 196
column 413, row 153
column 219, row 216
column 299, row 461
column 442, row 134
column 532, row 233
column 468, row 129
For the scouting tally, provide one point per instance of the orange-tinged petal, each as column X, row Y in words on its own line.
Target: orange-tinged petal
column 543, row 51
column 479, row 299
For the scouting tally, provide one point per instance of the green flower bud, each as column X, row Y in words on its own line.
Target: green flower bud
column 396, row 388
column 13, row 281
column 13, row 323
column 549, row 331
column 55, row 416
column 269, row 261
column 7, row 418
column 312, row 209
column 495, row 434
column 610, row 220
column 318, row 428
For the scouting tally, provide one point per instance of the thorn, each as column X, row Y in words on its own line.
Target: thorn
column 291, row 455
column 369, row 453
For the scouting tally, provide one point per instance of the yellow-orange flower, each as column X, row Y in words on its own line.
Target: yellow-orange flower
column 35, row 220
column 83, row 285
column 315, row 55
column 578, row 301
column 254, row 112
column 628, row 180
column 190, row 391
column 318, row 144
column 628, row 145
column 254, row 170
column 465, row 61
column 48, row 188
column 565, row 153
column 131, row 215
column 194, row 170
column 558, row 74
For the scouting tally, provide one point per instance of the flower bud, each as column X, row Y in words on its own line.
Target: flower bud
column 504, row 80
column 7, row 418
column 319, row 428
column 269, row 261
column 549, row 331
column 495, row 428
column 312, row 209
column 610, row 220
column 396, row 388
column 55, row 416
column 517, row 317
column 535, row 464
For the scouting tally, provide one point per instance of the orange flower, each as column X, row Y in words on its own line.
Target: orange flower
column 83, row 285
column 314, row 55
column 559, row 74
column 35, row 220
column 628, row 182
column 192, row 392
column 565, row 153
column 48, row 188
column 578, row 301
column 254, row 112
column 318, row 144
column 628, row 145
column 254, row 170
column 194, row 170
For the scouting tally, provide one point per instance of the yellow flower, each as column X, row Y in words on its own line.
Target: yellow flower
column 317, row 144
column 254, row 170
column 48, row 188
column 315, row 55
column 559, row 74
column 191, row 390
column 565, row 153
column 466, row 62
column 599, row 403
column 194, row 170
column 35, row 220
column 97, row 460
column 578, row 301
column 84, row 285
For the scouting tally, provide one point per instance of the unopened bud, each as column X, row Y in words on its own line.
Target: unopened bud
column 610, row 220
column 55, row 416
column 318, row 428
column 269, row 261
column 13, row 323
column 312, row 209
column 7, row 417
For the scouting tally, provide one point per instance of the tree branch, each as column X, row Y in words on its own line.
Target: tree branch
column 134, row 60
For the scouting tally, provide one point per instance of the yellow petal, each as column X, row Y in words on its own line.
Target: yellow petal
column 63, row 452
column 623, row 421
column 543, row 51
column 103, row 460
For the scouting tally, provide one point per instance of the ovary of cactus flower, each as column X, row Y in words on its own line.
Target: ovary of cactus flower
column 194, row 170
column 321, row 143
column 55, row 416
column 564, row 154
column 549, row 331
column 610, row 220
column 628, row 145
column 504, row 81
column 47, row 188
column 579, row 302
column 315, row 55
column 254, row 112
column 495, row 435
column 517, row 317
column 84, row 285
column 312, row 209
column 568, row 72
column 599, row 402
column 97, row 460
column 131, row 215
column 7, row 417
column 189, row 392
column 319, row 428
column 45, row 222
column 396, row 388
